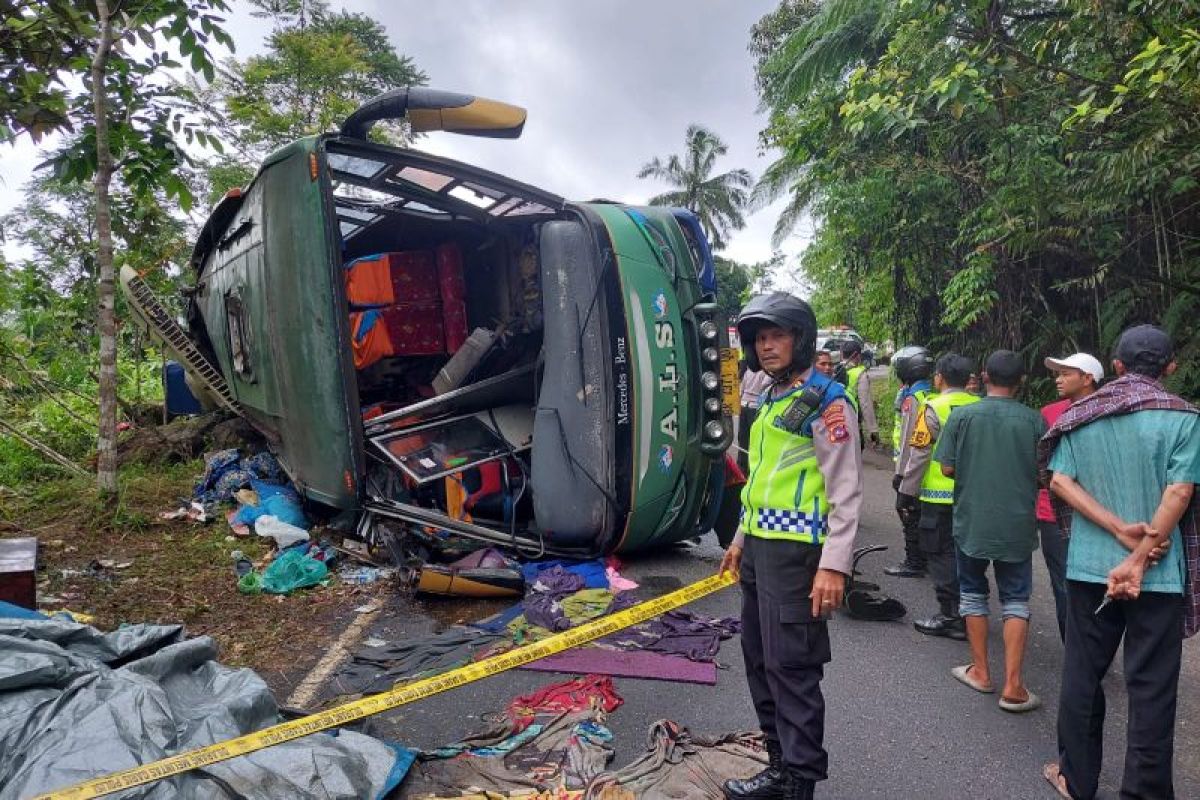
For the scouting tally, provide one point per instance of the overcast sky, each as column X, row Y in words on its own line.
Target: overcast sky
column 607, row 85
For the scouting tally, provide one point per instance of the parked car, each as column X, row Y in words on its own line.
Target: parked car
column 424, row 340
column 832, row 339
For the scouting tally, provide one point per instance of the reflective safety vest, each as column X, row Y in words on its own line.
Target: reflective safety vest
column 852, row 376
column 936, row 487
column 784, row 496
column 920, row 390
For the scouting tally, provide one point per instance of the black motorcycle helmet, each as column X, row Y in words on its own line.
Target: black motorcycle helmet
column 912, row 363
column 785, row 311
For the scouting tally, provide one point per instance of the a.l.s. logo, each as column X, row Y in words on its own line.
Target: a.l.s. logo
column 666, row 457
column 668, row 378
column 660, row 304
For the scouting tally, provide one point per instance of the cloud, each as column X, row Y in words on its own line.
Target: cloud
column 608, row 86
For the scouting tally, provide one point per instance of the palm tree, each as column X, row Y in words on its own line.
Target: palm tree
column 718, row 200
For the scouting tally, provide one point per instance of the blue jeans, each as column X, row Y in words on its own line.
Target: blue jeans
column 1014, row 583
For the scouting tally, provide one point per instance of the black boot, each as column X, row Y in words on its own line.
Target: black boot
column 908, row 568
column 766, row 785
column 796, row 787
column 942, row 625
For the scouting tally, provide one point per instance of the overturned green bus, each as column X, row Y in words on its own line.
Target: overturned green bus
column 434, row 344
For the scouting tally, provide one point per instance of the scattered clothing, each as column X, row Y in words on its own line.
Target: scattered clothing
column 376, row 669
column 589, row 691
column 612, row 570
column 567, row 751
column 545, row 614
column 592, row 572
column 226, row 471
column 498, row 623
column 557, row 581
column 550, row 739
column 628, row 664
column 682, row 633
column 680, row 764
column 616, row 583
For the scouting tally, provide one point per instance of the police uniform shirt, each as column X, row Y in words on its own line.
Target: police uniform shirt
column 908, row 422
column 917, row 463
column 839, row 457
column 862, row 390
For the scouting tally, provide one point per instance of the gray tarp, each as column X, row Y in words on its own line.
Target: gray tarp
column 76, row 703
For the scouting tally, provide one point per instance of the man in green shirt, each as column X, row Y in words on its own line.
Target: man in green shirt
column 1126, row 460
column 990, row 449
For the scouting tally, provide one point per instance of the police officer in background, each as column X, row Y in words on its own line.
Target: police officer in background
column 794, row 547
column 852, row 374
column 913, row 366
column 928, row 492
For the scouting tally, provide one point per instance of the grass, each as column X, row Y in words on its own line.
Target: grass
column 884, row 392
column 179, row 571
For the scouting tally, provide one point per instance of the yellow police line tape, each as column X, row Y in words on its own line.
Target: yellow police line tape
column 367, row 706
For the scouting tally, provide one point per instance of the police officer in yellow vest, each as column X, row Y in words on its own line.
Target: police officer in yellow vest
column 853, row 375
column 913, row 366
column 923, row 487
column 800, row 512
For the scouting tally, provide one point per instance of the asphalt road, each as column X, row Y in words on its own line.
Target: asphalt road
column 898, row 726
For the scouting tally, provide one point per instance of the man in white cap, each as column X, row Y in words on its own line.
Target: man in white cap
column 1076, row 377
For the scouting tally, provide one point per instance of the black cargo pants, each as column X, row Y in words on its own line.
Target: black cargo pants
column 785, row 649
column 910, row 522
column 937, row 543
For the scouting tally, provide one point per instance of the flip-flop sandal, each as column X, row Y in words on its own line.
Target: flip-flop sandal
column 1021, row 706
column 963, row 675
column 1053, row 775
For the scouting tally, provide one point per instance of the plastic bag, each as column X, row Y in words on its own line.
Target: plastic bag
column 285, row 535
column 292, row 570
column 250, row 583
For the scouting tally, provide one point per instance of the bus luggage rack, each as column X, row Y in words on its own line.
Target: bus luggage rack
column 169, row 331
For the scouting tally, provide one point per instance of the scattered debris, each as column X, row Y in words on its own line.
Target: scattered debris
column 484, row 573
column 627, row 664
column 364, row 575
column 555, row 743
column 18, row 571
column 192, row 511
column 284, row 534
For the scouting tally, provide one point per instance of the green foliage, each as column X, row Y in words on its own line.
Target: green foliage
column 718, row 200
column 734, row 282
column 39, row 39
column 985, row 175
column 318, row 67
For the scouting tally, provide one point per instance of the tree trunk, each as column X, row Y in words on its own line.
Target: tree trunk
column 106, row 443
